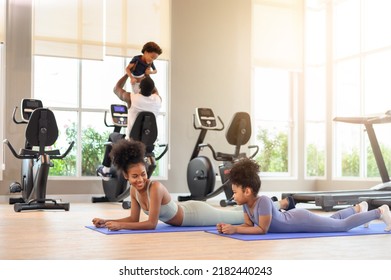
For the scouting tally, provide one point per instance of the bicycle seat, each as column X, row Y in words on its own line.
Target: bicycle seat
column 42, row 130
column 145, row 130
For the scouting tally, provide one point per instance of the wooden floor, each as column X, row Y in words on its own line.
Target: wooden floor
column 59, row 235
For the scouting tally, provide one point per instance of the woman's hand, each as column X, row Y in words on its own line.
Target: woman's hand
column 99, row 222
column 111, row 225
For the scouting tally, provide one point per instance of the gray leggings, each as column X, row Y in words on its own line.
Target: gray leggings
column 199, row 213
column 302, row 220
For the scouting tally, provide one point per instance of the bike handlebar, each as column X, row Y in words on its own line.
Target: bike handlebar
column 14, row 118
column 105, row 121
column 37, row 155
column 225, row 156
column 164, row 151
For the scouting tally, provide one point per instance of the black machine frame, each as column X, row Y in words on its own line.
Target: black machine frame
column 201, row 175
column 145, row 130
column 41, row 132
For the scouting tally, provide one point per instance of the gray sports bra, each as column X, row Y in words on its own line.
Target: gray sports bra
column 167, row 211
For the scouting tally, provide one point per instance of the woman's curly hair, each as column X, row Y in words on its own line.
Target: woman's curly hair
column 244, row 173
column 126, row 153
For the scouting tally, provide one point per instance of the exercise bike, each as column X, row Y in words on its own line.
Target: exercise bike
column 116, row 189
column 145, row 130
column 201, row 176
column 41, row 132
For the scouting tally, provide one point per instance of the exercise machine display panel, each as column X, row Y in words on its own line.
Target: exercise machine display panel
column 119, row 114
column 28, row 106
column 206, row 118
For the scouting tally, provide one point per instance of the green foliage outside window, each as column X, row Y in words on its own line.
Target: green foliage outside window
column 274, row 151
column 67, row 165
column 372, row 169
column 315, row 161
column 93, row 150
column 273, row 157
column 351, row 162
column 92, row 153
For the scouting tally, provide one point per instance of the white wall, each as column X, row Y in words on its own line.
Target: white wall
column 211, row 67
column 2, row 104
column 17, row 76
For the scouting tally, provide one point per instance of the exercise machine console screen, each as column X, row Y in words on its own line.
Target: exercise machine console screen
column 28, row 106
column 119, row 114
column 206, row 118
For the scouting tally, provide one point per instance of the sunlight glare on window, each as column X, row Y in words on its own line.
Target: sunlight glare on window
column 376, row 17
column 99, row 78
column 55, row 81
column 271, row 93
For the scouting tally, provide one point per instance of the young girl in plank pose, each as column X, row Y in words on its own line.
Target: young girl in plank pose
column 261, row 217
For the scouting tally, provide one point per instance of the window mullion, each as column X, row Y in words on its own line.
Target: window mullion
column 79, row 122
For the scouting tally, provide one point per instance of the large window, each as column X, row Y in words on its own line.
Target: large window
column 315, row 90
column 362, row 66
column 348, row 65
column 274, row 94
column 79, row 92
column 277, row 50
column 346, row 73
column 80, row 50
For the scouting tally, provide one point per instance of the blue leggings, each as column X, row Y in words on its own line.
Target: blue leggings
column 302, row 220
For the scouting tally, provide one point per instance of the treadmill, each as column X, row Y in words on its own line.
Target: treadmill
column 376, row 202
column 327, row 200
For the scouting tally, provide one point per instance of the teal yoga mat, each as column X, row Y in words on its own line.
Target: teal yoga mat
column 373, row 229
column 159, row 228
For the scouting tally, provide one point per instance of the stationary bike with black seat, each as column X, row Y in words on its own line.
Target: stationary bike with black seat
column 41, row 132
column 145, row 130
column 201, row 176
column 116, row 189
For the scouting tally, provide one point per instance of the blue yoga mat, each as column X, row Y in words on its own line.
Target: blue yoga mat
column 373, row 229
column 159, row 228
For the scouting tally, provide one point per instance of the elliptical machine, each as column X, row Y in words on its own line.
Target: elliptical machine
column 201, row 176
column 41, row 131
column 145, row 130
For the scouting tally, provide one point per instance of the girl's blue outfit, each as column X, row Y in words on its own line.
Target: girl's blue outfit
column 302, row 220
